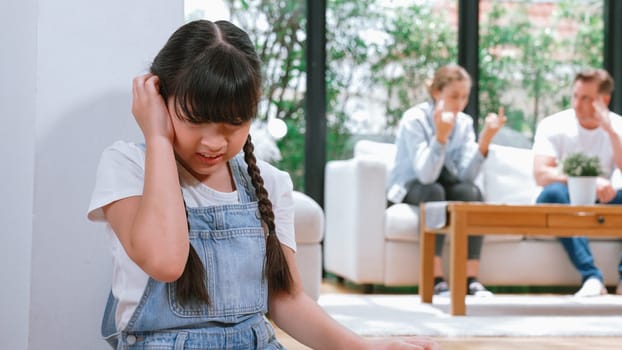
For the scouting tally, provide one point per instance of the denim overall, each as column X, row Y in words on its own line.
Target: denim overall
column 231, row 243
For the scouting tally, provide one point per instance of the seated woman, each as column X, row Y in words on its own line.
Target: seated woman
column 438, row 159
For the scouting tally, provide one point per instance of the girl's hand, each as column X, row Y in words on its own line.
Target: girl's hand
column 494, row 122
column 149, row 108
column 403, row 343
column 444, row 122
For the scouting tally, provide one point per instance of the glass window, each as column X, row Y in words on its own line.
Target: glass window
column 380, row 54
column 529, row 54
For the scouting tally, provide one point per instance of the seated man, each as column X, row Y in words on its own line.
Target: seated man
column 589, row 127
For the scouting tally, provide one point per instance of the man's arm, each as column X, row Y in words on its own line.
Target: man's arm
column 545, row 170
column 604, row 188
column 616, row 146
column 602, row 112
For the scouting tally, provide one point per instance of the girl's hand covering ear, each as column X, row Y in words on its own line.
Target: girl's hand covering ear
column 149, row 108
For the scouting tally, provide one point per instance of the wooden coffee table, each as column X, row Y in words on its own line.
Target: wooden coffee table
column 469, row 218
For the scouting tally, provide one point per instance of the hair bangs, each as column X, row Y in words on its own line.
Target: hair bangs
column 218, row 88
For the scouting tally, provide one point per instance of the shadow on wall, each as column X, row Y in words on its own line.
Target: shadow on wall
column 71, row 268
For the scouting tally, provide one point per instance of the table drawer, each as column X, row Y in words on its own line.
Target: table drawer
column 584, row 220
column 507, row 219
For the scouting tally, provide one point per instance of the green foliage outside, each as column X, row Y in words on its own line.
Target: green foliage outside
column 386, row 55
column 529, row 69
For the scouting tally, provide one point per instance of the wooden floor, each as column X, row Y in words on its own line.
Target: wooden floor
column 485, row 343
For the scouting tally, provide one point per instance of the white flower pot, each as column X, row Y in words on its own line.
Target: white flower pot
column 582, row 190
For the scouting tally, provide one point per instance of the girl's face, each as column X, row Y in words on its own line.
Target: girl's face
column 204, row 149
column 455, row 95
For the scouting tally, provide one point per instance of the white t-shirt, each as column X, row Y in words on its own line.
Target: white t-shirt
column 560, row 135
column 120, row 174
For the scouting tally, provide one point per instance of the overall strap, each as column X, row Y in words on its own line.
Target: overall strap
column 108, row 325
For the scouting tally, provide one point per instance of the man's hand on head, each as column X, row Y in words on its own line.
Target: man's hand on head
column 602, row 114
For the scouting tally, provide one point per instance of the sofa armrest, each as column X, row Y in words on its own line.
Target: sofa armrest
column 354, row 205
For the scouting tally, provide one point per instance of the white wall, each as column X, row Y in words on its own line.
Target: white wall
column 66, row 68
column 17, row 145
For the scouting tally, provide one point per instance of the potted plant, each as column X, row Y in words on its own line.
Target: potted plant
column 582, row 171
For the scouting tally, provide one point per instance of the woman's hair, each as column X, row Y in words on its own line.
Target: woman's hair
column 212, row 71
column 446, row 75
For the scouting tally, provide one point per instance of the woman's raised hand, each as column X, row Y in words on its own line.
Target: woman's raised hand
column 443, row 121
column 494, row 122
column 149, row 108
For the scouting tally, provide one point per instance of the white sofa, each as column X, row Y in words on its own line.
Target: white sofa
column 367, row 243
column 309, row 226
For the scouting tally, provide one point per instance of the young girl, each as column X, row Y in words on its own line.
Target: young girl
column 438, row 159
column 202, row 235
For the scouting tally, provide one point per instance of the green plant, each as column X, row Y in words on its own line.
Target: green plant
column 580, row 164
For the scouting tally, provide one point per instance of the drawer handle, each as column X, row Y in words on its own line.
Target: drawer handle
column 601, row 219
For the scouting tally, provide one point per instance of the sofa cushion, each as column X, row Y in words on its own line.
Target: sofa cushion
column 505, row 168
column 401, row 223
column 508, row 176
column 381, row 151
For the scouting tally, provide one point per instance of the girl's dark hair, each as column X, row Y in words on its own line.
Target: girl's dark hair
column 212, row 71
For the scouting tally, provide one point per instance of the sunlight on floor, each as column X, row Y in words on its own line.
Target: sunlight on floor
column 481, row 343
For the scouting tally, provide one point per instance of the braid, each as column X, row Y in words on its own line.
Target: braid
column 191, row 285
column 276, row 268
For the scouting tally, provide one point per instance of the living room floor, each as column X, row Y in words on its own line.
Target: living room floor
column 480, row 343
